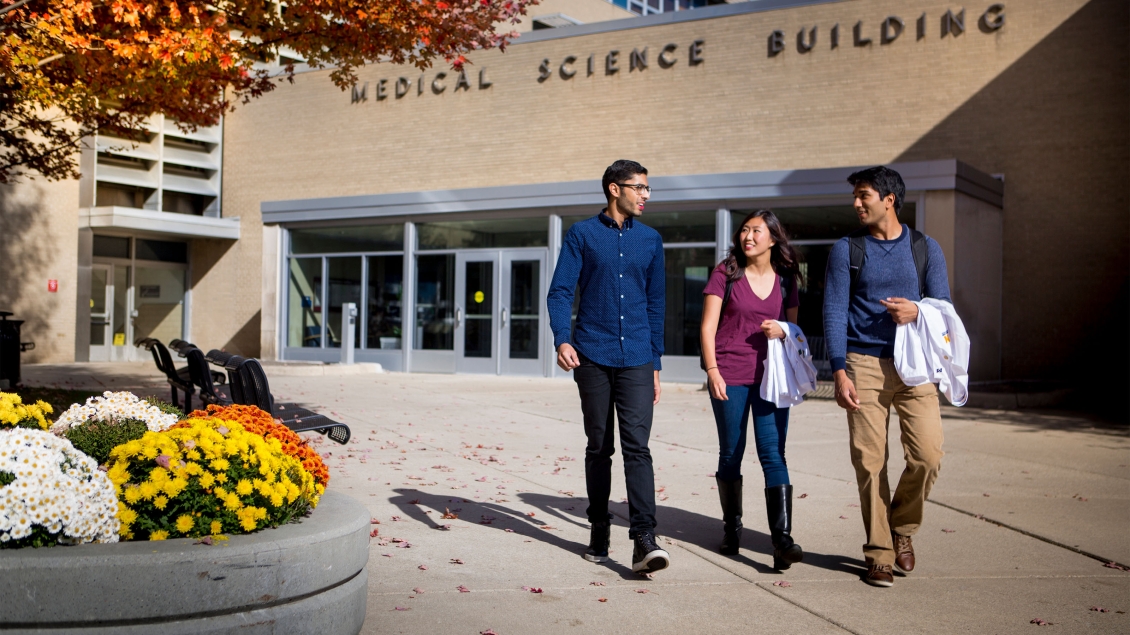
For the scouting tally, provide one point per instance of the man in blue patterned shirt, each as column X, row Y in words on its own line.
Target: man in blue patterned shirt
column 616, row 265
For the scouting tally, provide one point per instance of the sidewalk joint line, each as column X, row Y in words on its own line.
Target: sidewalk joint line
column 1018, row 530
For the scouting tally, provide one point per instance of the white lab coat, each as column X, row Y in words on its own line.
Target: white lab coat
column 789, row 373
column 935, row 349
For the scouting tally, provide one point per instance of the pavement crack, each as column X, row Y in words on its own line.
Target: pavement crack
column 1030, row 534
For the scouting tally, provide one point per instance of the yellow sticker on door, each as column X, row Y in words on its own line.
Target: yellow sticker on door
column 119, row 339
column 479, row 297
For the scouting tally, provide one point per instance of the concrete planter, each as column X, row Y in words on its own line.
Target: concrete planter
column 306, row 577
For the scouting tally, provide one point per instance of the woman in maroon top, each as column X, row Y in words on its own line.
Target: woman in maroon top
column 762, row 272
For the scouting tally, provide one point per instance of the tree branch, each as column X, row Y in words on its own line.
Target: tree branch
column 15, row 5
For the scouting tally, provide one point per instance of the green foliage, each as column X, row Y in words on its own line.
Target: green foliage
column 97, row 438
column 164, row 406
column 39, row 537
column 6, row 478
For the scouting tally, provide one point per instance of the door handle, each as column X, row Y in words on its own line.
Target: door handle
column 504, row 315
column 458, row 316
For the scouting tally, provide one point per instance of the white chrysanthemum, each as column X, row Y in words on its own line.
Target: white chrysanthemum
column 114, row 406
column 56, row 487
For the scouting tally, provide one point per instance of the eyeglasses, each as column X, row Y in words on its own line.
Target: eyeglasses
column 638, row 187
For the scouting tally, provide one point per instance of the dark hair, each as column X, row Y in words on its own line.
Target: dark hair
column 619, row 171
column 883, row 180
column 783, row 257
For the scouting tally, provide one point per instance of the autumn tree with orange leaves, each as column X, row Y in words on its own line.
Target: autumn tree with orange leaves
column 70, row 68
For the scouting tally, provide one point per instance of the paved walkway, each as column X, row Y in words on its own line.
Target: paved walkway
column 1023, row 498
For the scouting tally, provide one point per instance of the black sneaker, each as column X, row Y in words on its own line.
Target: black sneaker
column 647, row 557
column 599, row 536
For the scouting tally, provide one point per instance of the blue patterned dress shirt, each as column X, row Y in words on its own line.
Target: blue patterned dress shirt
column 620, row 276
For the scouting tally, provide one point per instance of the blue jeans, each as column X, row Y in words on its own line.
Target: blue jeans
column 770, row 427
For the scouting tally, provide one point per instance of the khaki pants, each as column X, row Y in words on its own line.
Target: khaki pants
column 878, row 386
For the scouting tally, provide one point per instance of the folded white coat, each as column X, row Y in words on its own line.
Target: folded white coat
column 935, row 349
column 789, row 373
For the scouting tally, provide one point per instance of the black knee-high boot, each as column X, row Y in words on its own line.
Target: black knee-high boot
column 730, row 494
column 779, row 507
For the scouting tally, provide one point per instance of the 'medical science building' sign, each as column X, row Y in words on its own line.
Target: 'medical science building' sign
column 952, row 24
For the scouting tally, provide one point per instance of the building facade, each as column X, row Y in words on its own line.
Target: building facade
column 436, row 201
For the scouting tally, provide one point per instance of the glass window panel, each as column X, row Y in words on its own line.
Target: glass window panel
column 435, row 303
column 513, row 232
column 159, row 303
column 111, row 247
column 479, row 305
column 814, row 263
column 829, row 222
column 382, row 315
column 525, row 293
column 100, row 279
column 305, row 303
column 121, row 288
column 687, row 271
column 161, row 250
column 345, row 286
column 330, row 240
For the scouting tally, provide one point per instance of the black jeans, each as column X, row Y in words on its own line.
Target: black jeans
column 631, row 391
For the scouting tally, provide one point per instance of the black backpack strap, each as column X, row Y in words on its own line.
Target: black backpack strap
column 921, row 252
column 857, row 241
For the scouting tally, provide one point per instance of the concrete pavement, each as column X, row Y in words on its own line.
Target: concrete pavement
column 1022, row 498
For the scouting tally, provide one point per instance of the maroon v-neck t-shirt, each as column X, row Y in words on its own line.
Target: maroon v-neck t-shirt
column 740, row 345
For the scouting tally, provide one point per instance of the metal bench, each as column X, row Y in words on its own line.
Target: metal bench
column 248, row 386
column 209, row 382
column 179, row 379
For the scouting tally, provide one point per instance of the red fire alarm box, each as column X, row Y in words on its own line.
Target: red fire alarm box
column 52, row 286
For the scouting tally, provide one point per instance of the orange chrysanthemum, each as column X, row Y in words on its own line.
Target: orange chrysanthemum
column 259, row 422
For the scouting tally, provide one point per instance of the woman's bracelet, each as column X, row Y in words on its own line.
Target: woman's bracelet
column 711, row 368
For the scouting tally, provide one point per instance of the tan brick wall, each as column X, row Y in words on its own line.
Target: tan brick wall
column 740, row 111
column 39, row 242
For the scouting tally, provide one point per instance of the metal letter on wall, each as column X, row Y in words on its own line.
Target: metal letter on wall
column 953, row 24
column 921, row 26
column 694, row 56
column 891, row 29
column 592, row 63
column 420, row 86
column 665, row 59
column 462, row 82
column 437, row 86
column 567, row 70
column 776, row 43
column 611, row 63
column 483, row 81
column 543, row 70
column 836, row 36
column 402, row 85
column 803, row 46
column 361, row 94
column 857, row 35
column 992, row 19
column 382, row 89
column 637, row 60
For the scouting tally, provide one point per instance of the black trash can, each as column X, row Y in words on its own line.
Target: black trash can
column 10, row 348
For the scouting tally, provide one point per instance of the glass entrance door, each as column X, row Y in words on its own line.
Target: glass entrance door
column 523, row 309
column 110, row 324
column 476, row 312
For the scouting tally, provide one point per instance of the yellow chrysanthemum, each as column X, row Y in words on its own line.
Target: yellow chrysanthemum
column 160, row 502
column 148, row 490
column 185, row 523
column 160, row 534
column 216, row 527
column 133, row 495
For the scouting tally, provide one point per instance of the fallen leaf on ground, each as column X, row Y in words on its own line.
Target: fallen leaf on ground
column 396, row 517
column 449, row 515
column 489, row 631
column 986, row 495
column 509, row 531
column 643, row 590
column 1115, row 565
column 423, row 567
column 456, row 561
column 463, row 589
column 418, row 591
column 1038, row 621
column 596, row 584
column 414, row 501
column 784, row 583
column 532, row 589
column 602, row 599
column 374, row 521
column 530, row 514
column 374, row 533
column 206, row 540
column 803, row 496
column 948, row 531
column 843, row 517
column 401, row 608
column 387, row 555
column 1100, row 609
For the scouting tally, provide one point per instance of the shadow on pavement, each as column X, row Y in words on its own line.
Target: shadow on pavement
column 678, row 524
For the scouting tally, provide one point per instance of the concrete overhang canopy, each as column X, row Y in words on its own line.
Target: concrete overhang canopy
column 723, row 190
column 159, row 223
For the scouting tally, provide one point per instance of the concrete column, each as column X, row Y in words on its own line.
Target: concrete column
column 273, row 294
column 408, row 298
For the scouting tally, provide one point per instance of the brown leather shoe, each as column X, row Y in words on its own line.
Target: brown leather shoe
column 904, row 553
column 879, row 575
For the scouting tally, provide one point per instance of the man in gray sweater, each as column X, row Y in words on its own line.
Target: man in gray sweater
column 874, row 278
